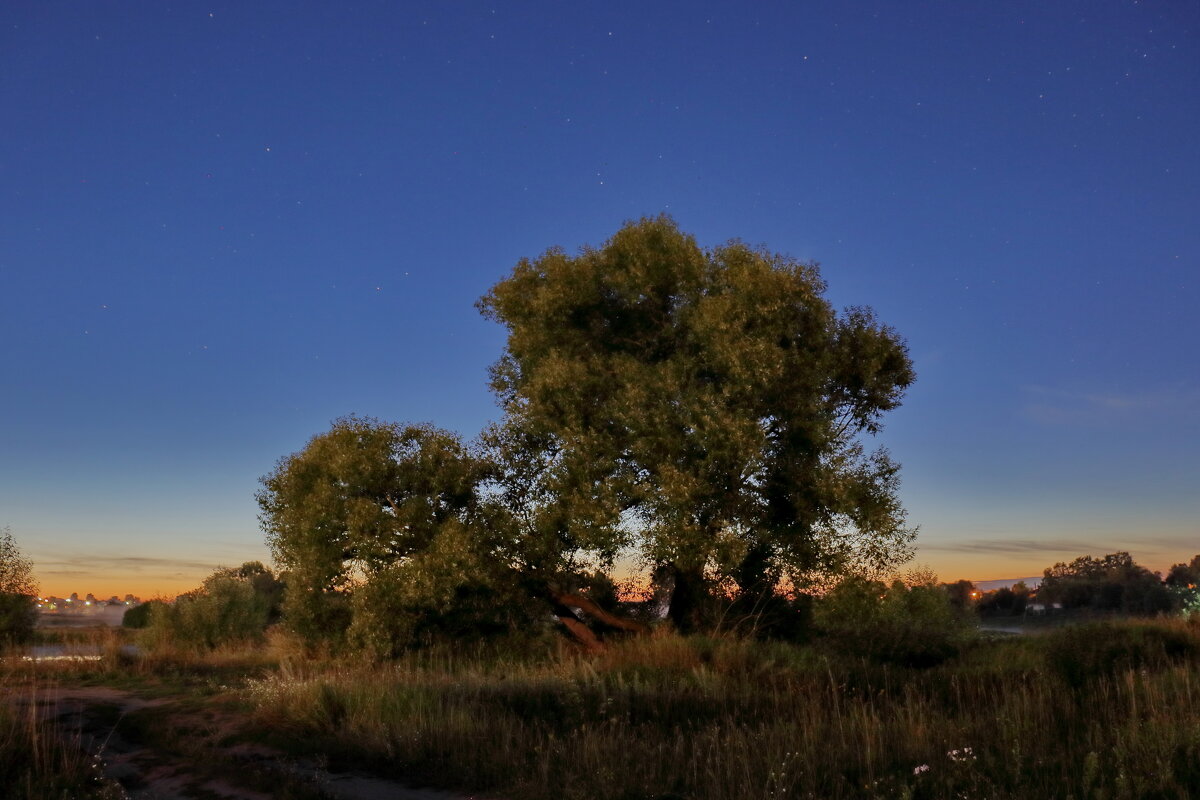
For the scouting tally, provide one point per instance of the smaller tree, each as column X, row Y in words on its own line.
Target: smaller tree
column 373, row 508
column 139, row 616
column 232, row 605
column 912, row 623
column 18, row 592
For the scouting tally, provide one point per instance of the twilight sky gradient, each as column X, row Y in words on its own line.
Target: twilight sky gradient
column 224, row 224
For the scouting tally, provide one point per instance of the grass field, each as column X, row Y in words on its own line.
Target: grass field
column 1103, row 710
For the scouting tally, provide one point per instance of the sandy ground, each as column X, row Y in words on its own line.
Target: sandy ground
column 93, row 715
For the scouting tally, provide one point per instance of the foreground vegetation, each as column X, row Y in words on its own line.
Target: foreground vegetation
column 1103, row 710
column 38, row 762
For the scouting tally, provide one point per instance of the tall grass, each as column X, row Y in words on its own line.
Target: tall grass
column 710, row 718
column 40, row 762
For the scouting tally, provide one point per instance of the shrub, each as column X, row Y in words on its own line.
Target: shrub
column 1082, row 653
column 914, row 626
column 232, row 606
column 139, row 616
column 445, row 592
column 18, row 616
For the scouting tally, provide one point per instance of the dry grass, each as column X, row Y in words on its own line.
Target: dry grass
column 37, row 760
column 706, row 719
column 1106, row 711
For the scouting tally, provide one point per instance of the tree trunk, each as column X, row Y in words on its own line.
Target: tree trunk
column 589, row 607
column 582, row 633
column 752, row 608
column 565, row 604
column 687, row 598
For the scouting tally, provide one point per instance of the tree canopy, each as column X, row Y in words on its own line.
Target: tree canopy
column 714, row 400
column 1112, row 583
column 16, row 571
column 353, row 503
column 17, row 591
column 706, row 410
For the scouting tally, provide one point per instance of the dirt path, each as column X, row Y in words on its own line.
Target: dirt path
column 201, row 759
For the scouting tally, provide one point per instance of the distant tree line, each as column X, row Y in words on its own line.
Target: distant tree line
column 1114, row 583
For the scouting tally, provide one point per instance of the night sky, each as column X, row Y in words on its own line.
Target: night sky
column 224, row 224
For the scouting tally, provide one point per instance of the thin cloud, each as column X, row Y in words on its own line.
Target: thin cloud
column 1050, row 406
column 91, row 564
column 1017, row 546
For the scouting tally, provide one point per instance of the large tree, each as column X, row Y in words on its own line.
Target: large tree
column 716, row 399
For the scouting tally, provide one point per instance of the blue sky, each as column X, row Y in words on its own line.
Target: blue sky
column 224, row 224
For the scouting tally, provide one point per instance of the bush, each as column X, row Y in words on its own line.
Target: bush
column 914, row 626
column 233, row 605
column 317, row 617
column 18, row 617
column 139, row 616
column 444, row 593
column 18, row 614
column 1080, row 654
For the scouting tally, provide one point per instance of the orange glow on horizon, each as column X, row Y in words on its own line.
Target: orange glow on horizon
column 978, row 568
column 106, row 586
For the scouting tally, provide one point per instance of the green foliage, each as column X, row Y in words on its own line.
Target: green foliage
column 913, row 625
column 18, row 590
column 1186, row 599
column 355, row 502
column 706, row 407
column 16, row 571
column 713, row 397
column 231, row 606
column 539, row 512
column 138, row 616
column 450, row 591
column 18, row 618
column 1083, row 653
